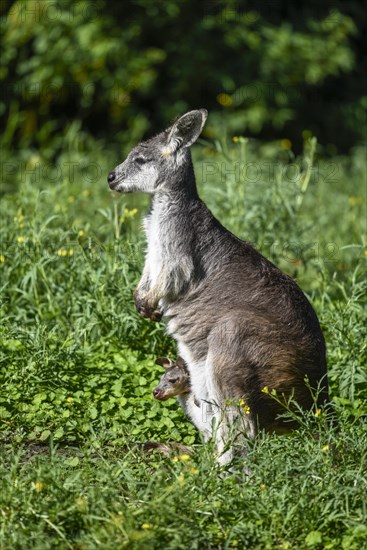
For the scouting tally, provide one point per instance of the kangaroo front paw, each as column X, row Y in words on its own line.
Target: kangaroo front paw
column 156, row 315
column 150, row 313
column 146, row 310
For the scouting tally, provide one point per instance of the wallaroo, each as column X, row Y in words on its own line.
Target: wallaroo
column 240, row 323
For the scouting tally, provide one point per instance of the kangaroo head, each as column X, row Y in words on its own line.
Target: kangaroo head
column 175, row 381
column 158, row 163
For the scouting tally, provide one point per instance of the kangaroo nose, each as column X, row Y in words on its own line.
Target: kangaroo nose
column 155, row 392
column 111, row 177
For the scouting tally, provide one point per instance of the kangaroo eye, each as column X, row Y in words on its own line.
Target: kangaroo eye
column 173, row 380
column 139, row 160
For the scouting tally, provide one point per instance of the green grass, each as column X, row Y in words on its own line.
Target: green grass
column 77, row 363
column 305, row 492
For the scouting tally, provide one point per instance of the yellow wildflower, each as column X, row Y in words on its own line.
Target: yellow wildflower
column 265, row 389
column 285, row 144
column 146, row 526
column 325, row 448
column 318, row 412
column 128, row 214
column 63, row 252
column 235, row 139
column 194, row 471
column 2, row 259
column 86, row 193
column 355, row 201
column 245, row 408
column 39, row 486
column 184, row 457
column 20, row 239
column 224, row 99
column 81, row 233
column 71, row 199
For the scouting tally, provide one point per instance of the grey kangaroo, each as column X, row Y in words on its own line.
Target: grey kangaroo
column 240, row 323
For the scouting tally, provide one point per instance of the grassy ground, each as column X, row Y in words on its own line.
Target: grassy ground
column 78, row 363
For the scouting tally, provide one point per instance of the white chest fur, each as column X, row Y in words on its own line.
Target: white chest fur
column 166, row 267
column 154, row 256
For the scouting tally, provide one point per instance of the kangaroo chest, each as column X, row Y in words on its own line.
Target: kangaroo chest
column 154, row 257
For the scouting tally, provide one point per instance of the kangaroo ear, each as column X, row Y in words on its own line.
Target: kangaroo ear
column 181, row 363
column 186, row 130
column 164, row 362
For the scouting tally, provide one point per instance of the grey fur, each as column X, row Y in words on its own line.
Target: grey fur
column 241, row 324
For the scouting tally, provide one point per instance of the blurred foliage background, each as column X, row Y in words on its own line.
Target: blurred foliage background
column 120, row 71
